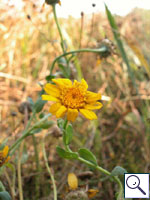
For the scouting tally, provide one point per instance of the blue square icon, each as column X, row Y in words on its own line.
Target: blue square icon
column 136, row 185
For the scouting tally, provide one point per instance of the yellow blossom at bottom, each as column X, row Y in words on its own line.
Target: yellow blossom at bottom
column 71, row 98
column 72, row 181
column 4, row 156
column 92, row 193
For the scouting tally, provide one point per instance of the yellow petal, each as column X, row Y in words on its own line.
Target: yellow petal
column 61, row 111
column 84, row 83
column 72, row 114
column 92, row 193
column 95, row 106
column 52, row 90
column 5, row 151
column 91, row 97
column 72, row 181
column 54, row 108
column 8, row 158
column 62, row 82
column 88, row 114
column 49, row 98
column 98, row 62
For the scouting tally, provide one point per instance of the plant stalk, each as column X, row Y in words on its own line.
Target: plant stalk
column 26, row 132
column 19, row 172
column 101, row 50
column 100, row 169
column 49, row 171
column 58, row 27
column 37, row 184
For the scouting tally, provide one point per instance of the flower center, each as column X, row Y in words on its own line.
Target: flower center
column 73, row 98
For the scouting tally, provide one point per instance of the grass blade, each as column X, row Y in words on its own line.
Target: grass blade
column 120, row 44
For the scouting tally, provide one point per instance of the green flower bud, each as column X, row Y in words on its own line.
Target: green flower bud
column 110, row 48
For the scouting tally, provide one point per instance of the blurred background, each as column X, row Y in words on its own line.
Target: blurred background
column 29, row 42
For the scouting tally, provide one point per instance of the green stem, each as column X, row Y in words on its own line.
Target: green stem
column 19, row 172
column 61, row 36
column 58, row 27
column 49, row 171
column 78, row 68
column 82, row 159
column 36, row 152
column 18, row 142
column 65, row 124
column 11, row 186
column 37, row 186
column 64, row 135
column 101, row 50
column 115, row 178
column 26, row 132
column 30, row 120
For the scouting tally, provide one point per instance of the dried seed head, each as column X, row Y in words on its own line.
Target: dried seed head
column 110, row 48
column 28, row 17
column 13, row 113
column 82, row 14
column 77, row 195
column 93, row 4
column 25, row 106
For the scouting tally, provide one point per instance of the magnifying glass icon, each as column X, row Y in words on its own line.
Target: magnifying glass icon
column 133, row 182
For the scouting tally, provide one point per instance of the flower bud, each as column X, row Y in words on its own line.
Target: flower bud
column 110, row 48
column 51, row 2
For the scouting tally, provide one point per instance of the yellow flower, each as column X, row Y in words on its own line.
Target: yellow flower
column 4, row 156
column 71, row 99
column 72, row 181
column 92, row 193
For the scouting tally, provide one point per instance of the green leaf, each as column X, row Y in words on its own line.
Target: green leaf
column 50, row 77
column 46, row 125
column 62, row 64
column 64, row 70
column 41, row 115
column 66, row 154
column 120, row 44
column 5, row 196
column 62, row 61
column 60, row 123
column 87, row 155
column 37, row 130
column 118, row 171
column 68, row 135
column 39, row 104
